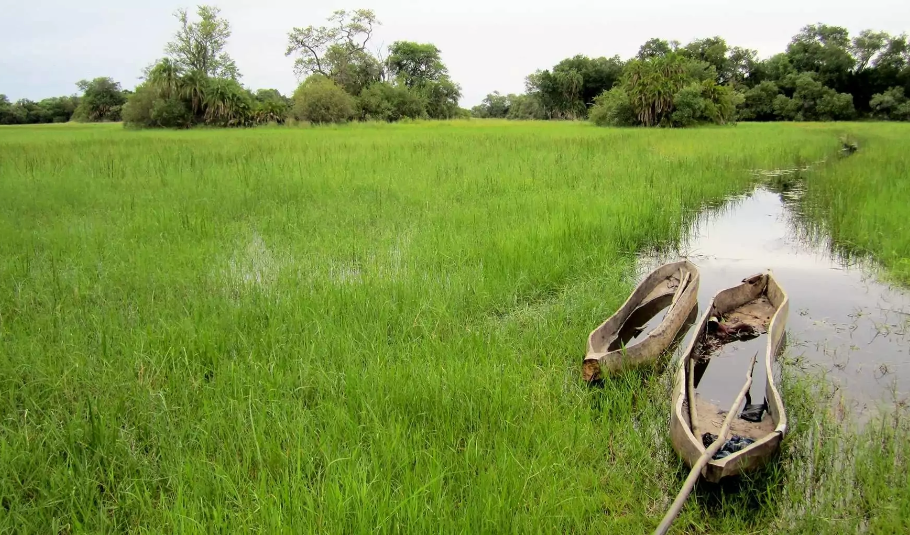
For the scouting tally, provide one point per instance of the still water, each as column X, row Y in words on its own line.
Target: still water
column 842, row 320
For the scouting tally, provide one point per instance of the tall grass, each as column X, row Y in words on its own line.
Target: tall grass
column 371, row 328
column 863, row 201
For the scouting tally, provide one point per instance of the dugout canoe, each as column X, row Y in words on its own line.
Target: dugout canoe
column 759, row 303
column 617, row 343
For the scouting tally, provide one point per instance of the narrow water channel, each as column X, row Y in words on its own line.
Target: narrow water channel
column 842, row 321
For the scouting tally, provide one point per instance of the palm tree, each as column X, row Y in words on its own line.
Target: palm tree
column 165, row 76
column 193, row 87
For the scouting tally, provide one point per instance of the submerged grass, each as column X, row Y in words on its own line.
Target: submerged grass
column 373, row 328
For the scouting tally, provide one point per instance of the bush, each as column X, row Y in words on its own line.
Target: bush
column 758, row 103
column 137, row 112
column 613, row 108
column 386, row 102
column 785, row 108
column 690, row 106
column 319, row 100
column 835, row 106
column 170, row 113
column 891, row 104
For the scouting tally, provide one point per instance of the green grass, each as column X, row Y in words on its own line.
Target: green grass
column 863, row 201
column 374, row 328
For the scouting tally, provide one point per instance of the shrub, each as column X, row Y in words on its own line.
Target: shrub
column 137, row 112
column 319, row 100
column 613, row 108
column 170, row 113
column 690, row 106
column 891, row 104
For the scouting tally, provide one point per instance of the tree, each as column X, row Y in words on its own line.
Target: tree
column 712, row 51
column 758, row 103
column 102, row 100
column 651, row 85
column 199, row 46
column 348, row 34
column 824, row 50
column 416, row 64
column 319, row 100
column 654, row 48
column 867, row 46
column 891, row 105
column 6, row 111
column 440, row 97
column 352, row 69
column 742, row 66
column 227, row 103
column 493, row 106
column 384, row 101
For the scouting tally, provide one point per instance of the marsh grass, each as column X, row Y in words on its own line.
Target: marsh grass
column 373, row 328
column 861, row 202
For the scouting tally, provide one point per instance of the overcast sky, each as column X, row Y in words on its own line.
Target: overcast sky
column 48, row 45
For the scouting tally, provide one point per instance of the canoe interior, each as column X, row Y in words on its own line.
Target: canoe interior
column 647, row 323
column 757, row 310
column 613, row 335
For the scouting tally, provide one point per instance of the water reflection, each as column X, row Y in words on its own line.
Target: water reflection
column 841, row 319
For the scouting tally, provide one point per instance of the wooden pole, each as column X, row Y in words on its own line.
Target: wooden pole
column 695, row 473
column 690, row 389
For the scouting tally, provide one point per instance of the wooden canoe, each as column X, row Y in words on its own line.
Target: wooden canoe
column 761, row 303
column 673, row 287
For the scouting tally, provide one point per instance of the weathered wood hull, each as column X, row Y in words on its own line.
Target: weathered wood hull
column 677, row 281
column 685, row 442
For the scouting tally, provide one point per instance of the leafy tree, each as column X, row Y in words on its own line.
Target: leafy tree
column 866, row 46
column 891, row 105
column 785, row 108
column 525, row 107
column 654, row 48
column 319, row 100
column 416, row 64
column 758, row 103
column 493, row 106
column 812, row 101
column 352, row 69
column 824, row 50
column 58, row 109
column 6, row 111
column 441, row 98
column 102, row 100
column 347, row 34
column 688, row 106
column 384, row 101
column 742, row 66
column 199, row 45
column 712, row 51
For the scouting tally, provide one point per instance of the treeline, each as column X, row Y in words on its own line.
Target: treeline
column 197, row 82
column 824, row 74
column 101, row 100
